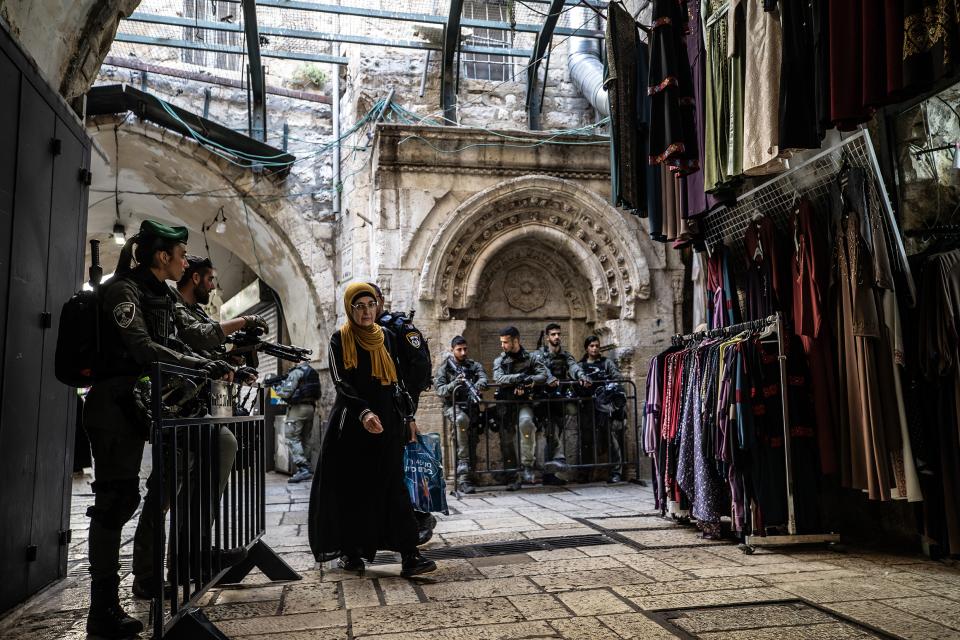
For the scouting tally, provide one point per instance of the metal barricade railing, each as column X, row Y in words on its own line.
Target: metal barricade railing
column 596, row 433
column 204, row 522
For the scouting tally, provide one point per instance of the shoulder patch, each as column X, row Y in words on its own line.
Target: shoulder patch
column 414, row 338
column 124, row 313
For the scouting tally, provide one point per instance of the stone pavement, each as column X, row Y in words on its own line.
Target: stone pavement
column 633, row 575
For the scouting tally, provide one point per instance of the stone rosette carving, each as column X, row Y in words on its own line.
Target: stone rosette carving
column 524, row 290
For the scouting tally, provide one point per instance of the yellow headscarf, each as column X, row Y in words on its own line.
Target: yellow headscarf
column 371, row 338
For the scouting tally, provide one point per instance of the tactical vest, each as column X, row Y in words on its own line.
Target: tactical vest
column 556, row 363
column 412, row 351
column 595, row 370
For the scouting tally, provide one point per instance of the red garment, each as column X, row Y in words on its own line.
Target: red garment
column 846, row 65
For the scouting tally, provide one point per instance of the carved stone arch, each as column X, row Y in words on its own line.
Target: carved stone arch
column 587, row 230
column 264, row 230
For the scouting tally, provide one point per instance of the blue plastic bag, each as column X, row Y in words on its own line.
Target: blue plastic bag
column 423, row 469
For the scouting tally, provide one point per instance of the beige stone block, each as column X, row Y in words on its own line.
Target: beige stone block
column 806, row 576
column 398, row 591
column 823, row 631
column 688, row 586
column 453, row 526
column 450, row 570
column 570, row 580
column 593, row 602
column 554, row 533
column 242, row 610
column 583, row 628
column 659, row 571
column 670, row 538
column 615, row 549
column 304, row 598
column 509, row 631
column 847, row 589
column 709, row 598
column 634, row 522
column 893, row 620
column 434, row 615
column 935, row 608
column 488, row 588
column 552, row 566
column 283, row 624
column 540, row 606
column 250, row 594
column 313, row 634
column 691, row 558
column 556, row 554
column 636, row 626
column 360, row 593
column 761, row 569
column 754, row 617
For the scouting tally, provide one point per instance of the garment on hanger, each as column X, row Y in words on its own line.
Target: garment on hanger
column 698, row 201
column 931, row 42
column 723, row 112
column 672, row 132
column 799, row 126
column 763, row 48
column 628, row 133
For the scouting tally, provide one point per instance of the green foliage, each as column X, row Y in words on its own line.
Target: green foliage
column 310, row 73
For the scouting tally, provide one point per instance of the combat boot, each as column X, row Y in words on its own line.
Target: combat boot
column 414, row 564
column 527, row 476
column 106, row 617
column 303, row 473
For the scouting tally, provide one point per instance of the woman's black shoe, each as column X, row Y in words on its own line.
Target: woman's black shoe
column 414, row 564
column 348, row 563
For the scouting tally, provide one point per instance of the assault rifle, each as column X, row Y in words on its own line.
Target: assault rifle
column 473, row 394
column 247, row 342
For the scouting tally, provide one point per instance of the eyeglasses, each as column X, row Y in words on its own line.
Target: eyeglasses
column 360, row 306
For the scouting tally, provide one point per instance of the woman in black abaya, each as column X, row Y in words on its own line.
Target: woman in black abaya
column 359, row 502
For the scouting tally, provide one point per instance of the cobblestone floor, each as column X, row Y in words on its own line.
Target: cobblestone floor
column 653, row 579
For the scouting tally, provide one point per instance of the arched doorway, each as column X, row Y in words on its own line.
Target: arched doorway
column 528, row 284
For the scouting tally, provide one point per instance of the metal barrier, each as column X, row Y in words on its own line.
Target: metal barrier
column 549, row 406
column 202, row 523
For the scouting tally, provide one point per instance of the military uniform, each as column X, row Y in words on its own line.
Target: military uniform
column 203, row 335
column 512, row 369
column 600, row 425
column 561, row 418
column 136, row 327
column 445, row 382
column 301, row 390
column 413, row 354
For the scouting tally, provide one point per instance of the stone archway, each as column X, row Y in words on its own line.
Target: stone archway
column 562, row 227
column 263, row 230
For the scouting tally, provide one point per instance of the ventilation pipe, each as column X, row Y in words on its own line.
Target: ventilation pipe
column 585, row 63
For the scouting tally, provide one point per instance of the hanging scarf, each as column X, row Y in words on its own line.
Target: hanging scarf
column 370, row 339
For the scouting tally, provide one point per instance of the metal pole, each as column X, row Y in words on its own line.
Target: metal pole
column 156, row 405
column 785, row 404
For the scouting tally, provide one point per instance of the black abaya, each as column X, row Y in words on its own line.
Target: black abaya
column 359, row 503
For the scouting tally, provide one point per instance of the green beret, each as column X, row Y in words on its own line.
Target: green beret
column 160, row 230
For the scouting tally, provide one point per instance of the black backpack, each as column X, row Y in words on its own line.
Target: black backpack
column 413, row 350
column 308, row 388
column 77, row 340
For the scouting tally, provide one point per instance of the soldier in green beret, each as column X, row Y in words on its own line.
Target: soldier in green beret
column 136, row 330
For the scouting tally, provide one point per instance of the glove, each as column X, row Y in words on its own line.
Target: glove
column 481, row 386
column 523, row 379
column 247, row 375
column 255, row 322
column 215, row 369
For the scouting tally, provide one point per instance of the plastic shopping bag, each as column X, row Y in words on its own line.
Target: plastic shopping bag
column 423, row 468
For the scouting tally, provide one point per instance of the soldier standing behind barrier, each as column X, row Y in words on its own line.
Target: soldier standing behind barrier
column 136, row 328
column 518, row 370
column 459, row 373
column 300, row 390
column 207, row 338
column 413, row 352
column 609, row 425
column 561, row 418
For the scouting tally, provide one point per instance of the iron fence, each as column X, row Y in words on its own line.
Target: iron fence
column 591, row 419
column 210, row 515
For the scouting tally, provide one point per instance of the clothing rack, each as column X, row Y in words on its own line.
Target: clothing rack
column 792, row 537
column 940, row 230
column 811, row 179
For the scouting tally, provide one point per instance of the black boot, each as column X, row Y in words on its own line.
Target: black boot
column 106, row 617
column 426, row 523
column 352, row 563
column 414, row 564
